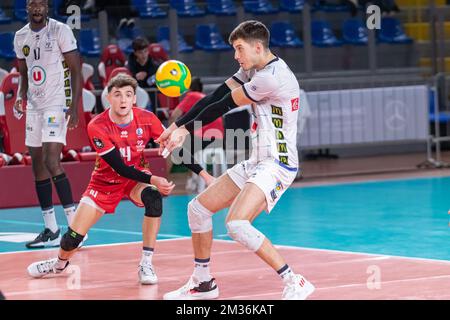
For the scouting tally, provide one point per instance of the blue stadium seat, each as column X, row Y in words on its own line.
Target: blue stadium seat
column 283, row 35
column 20, row 10
column 149, row 9
column 292, row 6
column 322, row 35
column 89, row 42
column 221, row 7
column 392, row 32
column 63, row 18
column 330, row 7
column 259, row 7
column 444, row 116
column 125, row 38
column 354, row 32
column 187, row 8
column 7, row 45
column 163, row 37
column 208, row 38
column 4, row 19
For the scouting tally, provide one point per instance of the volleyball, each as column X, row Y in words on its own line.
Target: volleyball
column 173, row 78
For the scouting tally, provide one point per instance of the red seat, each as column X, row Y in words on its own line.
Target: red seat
column 118, row 70
column 87, row 72
column 112, row 57
column 157, row 53
column 78, row 137
column 13, row 129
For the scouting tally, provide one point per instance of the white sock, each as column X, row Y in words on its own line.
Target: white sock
column 201, row 269
column 147, row 255
column 70, row 214
column 50, row 219
column 285, row 272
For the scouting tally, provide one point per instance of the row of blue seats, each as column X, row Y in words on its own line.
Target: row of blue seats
column 188, row 8
column 208, row 37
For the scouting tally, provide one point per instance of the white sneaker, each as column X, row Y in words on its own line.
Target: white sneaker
column 195, row 290
column 42, row 268
column 146, row 274
column 297, row 288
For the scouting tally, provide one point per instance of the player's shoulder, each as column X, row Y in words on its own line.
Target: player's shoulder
column 57, row 27
column 143, row 113
column 99, row 121
column 23, row 31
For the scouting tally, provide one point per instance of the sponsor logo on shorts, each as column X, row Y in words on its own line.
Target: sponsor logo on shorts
column 294, row 104
column 274, row 194
column 29, row 128
column 52, row 122
column 52, row 133
column 98, row 143
column 93, row 193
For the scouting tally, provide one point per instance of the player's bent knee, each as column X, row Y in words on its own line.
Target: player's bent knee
column 199, row 217
column 152, row 200
column 243, row 232
column 71, row 240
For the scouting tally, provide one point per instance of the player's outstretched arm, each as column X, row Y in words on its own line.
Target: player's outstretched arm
column 74, row 63
column 114, row 160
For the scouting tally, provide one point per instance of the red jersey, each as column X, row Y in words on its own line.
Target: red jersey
column 213, row 129
column 130, row 140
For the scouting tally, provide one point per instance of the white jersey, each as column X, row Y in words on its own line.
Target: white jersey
column 275, row 92
column 48, row 74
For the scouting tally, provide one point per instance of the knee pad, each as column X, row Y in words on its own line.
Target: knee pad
column 152, row 200
column 71, row 240
column 200, row 218
column 243, row 232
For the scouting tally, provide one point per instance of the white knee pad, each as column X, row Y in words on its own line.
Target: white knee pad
column 243, row 232
column 200, row 218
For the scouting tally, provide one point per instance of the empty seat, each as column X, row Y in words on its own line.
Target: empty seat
column 126, row 36
column 4, row 19
column 354, row 32
column 221, row 7
column 208, row 38
column 163, row 37
column 187, row 8
column 331, row 7
column 7, row 45
column 322, row 35
column 392, row 32
column 149, row 9
column 283, row 35
column 112, row 57
column 292, row 6
column 20, row 10
column 87, row 71
column 89, row 42
column 259, row 7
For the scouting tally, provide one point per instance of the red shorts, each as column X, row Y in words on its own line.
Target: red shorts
column 108, row 195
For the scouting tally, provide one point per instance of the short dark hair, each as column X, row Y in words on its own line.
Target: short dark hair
column 122, row 80
column 251, row 30
column 139, row 43
column 196, row 84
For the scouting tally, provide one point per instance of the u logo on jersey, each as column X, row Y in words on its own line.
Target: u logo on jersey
column 38, row 75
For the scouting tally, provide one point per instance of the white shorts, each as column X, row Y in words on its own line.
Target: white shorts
column 47, row 125
column 269, row 175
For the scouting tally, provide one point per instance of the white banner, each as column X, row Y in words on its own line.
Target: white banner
column 357, row 116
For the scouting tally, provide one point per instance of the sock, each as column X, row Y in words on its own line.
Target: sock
column 50, row 219
column 147, row 255
column 201, row 269
column 63, row 189
column 61, row 264
column 70, row 213
column 285, row 272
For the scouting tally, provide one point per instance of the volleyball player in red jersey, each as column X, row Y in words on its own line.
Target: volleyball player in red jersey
column 119, row 136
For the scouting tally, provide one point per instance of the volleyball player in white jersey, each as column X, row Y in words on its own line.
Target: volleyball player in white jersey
column 49, row 66
column 254, row 185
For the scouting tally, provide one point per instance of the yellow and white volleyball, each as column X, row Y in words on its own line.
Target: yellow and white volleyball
column 173, row 78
